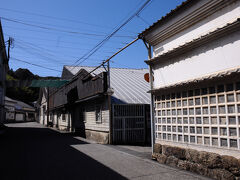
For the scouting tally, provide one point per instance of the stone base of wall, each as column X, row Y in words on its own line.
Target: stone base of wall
column 208, row 164
column 99, row 137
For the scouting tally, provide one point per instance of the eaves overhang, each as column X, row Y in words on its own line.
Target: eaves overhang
column 195, row 43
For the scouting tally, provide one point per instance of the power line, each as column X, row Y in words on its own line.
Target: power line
column 59, row 18
column 16, row 59
column 101, row 43
column 56, row 29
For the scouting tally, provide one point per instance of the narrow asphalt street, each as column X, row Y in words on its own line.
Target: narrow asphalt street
column 30, row 151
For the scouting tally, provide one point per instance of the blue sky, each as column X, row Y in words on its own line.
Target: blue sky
column 73, row 28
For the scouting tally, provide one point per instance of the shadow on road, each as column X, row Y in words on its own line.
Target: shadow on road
column 41, row 153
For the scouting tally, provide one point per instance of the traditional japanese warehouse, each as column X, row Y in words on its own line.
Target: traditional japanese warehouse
column 107, row 110
column 195, row 86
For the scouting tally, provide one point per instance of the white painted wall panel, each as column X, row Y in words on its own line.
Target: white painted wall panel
column 217, row 56
column 217, row 20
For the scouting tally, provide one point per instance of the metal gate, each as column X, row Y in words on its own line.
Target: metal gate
column 129, row 124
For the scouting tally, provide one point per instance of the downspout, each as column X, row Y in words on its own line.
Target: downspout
column 109, row 104
column 149, row 48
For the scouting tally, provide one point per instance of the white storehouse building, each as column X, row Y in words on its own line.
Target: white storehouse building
column 194, row 65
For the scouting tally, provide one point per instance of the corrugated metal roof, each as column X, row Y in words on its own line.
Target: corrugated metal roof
column 128, row 84
column 168, row 15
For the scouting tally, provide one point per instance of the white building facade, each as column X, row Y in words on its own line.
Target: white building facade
column 195, row 69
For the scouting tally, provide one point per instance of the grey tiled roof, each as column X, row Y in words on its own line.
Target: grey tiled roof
column 128, row 84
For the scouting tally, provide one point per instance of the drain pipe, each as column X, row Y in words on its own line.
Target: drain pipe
column 149, row 48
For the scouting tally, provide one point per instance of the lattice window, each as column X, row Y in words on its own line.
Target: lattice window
column 208, row 116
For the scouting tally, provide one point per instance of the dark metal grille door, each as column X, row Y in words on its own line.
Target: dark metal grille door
column 128, row 124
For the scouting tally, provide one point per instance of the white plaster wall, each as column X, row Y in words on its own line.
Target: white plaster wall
column 43, row 102
column 216, row 20
column 216, row 56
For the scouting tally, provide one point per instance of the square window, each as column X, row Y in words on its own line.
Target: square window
column 205, row 100
column 179, row 128
column 169, row 120
column 173, row 103
column 159, row 113
column 185, row 120
column 215, row 141
column 164, row 120
column 212, row 99
column 164, row 128
column 198, row 111
column 191, row 111
column 192, row 139
column 191, row 120
column 199, row 130
column 205, row 110
column 238, row 108
column 192, row 129
column 164, row 136
column 214, row 131
column 185, row 138
column 185, row 111
column 223, row 142
column 190, row 102
column 221, row 109
column 205, row 120
column 184, row 102
column 179, row 103
column 168, row 104
column 197, row 101
column 173, row 96
column 163, row 104
column 179, row 112
column 179, row 138
column 174, row 137
column 159, row 120
column 185, row 129
column 206, row 140
column 221, row 99
column 159, row 105
column 232, row 132
column 206, row 130
column 223, row 131
column 230, row 98
column 238, row 97
column 231, row 109
column 174, row 129
column 233, row 143
column 213, row 110
column 213, row 120
column 222, row 120
column 174, row 112
column 174, row 120
column 163, row 113
column 179, row 120
column 168, row 112
column 199, row 120
column 199, row 140
column 232, row 120
column 169, row 137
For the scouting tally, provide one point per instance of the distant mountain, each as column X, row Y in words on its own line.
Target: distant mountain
column 26, row 94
